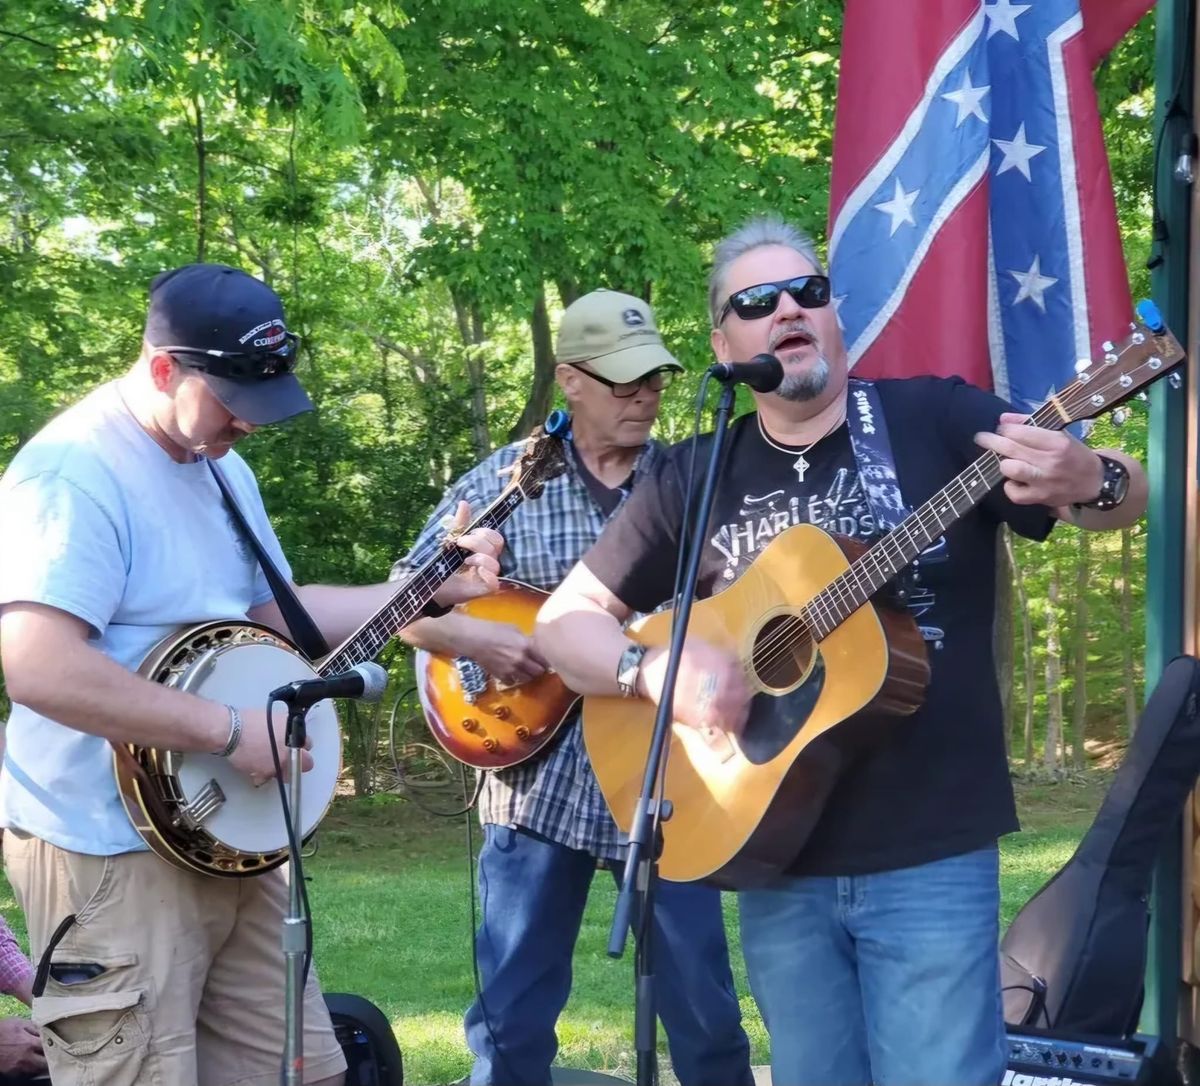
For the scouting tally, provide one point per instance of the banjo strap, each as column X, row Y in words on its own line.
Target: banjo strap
column 299, row 622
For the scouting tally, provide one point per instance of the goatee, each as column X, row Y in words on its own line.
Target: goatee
column 807, row 384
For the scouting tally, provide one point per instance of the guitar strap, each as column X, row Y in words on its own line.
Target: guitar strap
column 299, row 622
column 876, row 464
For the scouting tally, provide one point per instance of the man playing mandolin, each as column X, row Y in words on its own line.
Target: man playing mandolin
column 874, row 956
column 113, row 533
column 545, row 822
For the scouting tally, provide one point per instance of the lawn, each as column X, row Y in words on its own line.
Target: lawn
column 390, row 890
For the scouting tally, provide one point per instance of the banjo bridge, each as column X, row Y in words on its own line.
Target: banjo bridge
column 208, row 801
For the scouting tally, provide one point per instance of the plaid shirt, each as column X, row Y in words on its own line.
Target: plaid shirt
column 555, row 795
column 14, row 966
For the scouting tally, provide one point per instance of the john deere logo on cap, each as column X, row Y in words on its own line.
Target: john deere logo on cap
column 633, row 318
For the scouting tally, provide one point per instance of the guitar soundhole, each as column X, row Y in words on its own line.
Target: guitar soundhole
column 783, row 652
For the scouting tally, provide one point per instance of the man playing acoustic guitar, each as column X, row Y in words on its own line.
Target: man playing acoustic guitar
column 874, row 956
column 545, row 822
column 113, row 533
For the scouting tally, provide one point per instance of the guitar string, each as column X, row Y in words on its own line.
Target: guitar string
column 847, row 588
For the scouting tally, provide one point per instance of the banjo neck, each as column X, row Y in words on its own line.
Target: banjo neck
column 414, row 594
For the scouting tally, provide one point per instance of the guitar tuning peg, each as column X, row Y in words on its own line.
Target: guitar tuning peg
column 1175, row 380
column 1119, row 416
column 1143, row 397
column 1083, row 364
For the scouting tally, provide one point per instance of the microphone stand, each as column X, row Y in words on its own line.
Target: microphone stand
column 296, row 922
column 635, row 901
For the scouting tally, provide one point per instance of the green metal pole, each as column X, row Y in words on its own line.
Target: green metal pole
column 1170, row 476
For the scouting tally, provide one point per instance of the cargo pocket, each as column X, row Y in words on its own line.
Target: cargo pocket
column 94, row 1040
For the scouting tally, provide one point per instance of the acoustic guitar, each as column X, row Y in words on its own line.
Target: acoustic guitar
column 476, row 717
column 197, row 811
column 829, row 667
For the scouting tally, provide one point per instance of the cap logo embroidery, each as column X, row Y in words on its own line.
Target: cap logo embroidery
column 633, row 318
column 276, row 333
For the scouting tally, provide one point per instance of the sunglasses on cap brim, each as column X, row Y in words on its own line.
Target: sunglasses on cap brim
column 240, row 365
column 752, row 303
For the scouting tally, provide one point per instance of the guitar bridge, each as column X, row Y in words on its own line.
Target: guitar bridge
column 471, row 678
column 207, row 802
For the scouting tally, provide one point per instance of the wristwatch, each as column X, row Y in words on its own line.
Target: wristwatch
column 1113, row 488
column 628, row 667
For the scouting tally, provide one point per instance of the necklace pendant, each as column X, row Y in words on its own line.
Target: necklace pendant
column 801, row 466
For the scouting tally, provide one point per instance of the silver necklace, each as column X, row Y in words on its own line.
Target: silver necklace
column 800, row 465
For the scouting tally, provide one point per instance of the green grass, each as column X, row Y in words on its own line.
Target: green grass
column 390, row 894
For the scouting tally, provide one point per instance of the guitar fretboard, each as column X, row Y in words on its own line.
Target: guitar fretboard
column 411, row 597
column 830, row 607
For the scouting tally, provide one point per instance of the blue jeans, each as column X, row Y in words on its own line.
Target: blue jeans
column 533, row 893
column 891, row 978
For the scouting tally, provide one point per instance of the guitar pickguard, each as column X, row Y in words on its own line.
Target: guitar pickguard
column 776, row 719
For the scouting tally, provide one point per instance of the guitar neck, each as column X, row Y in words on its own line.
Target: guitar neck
column 412, row 597
column 830, row 607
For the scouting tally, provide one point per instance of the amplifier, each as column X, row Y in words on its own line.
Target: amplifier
column 1047, row 1058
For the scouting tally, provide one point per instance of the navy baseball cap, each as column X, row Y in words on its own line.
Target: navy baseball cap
column 229, row 326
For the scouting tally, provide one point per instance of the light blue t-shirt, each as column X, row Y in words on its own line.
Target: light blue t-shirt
column 97, row 520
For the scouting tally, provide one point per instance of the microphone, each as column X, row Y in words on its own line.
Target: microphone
column 364, row 682
column 763, row 373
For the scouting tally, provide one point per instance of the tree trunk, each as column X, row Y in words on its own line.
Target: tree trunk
column 1054, row 702
column 542, row 390
column 1002, row 638
column 1131, row 700
column 469, row 319
column 1079, row 653
column 1026, row 643
column 201, row 184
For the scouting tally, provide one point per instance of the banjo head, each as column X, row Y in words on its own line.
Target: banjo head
column 251, row 819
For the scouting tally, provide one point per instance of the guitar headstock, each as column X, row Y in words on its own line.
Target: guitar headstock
column 542, row 458
column 1147, row 353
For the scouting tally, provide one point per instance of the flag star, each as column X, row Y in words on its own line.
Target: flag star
column 899, row 207
column 1002, row 16
column 836, row 302
column 1017, row 153
column 969, row 100
column 1033, row 284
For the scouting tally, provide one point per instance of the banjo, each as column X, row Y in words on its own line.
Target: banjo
column 199, row 813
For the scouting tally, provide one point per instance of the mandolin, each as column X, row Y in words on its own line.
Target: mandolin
column 829, row 666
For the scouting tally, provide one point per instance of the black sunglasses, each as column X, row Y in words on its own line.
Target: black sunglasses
column 241, row 365
column 655, row 381
column 809, row 291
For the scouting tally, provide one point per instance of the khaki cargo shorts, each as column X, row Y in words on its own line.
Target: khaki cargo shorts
column 178, row 978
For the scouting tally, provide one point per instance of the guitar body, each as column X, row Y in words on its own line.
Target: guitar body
column 743, row 808
column 479, row 720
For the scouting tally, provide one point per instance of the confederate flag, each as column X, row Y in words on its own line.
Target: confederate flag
column 973, row 229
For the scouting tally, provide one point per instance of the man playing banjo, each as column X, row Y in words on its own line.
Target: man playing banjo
column 113, row 533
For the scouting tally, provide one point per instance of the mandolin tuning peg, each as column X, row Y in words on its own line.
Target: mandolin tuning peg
column 1120, row 415
column 1175, row 380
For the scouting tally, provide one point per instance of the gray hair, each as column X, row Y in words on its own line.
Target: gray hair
column 754, row 234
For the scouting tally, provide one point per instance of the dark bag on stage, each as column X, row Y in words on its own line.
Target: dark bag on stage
column 1074, row 956
column 368, row 1043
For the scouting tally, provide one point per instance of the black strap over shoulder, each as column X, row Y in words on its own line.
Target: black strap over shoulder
column 303, row 630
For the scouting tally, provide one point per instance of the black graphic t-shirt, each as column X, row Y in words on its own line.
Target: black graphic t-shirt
column 938, row 785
